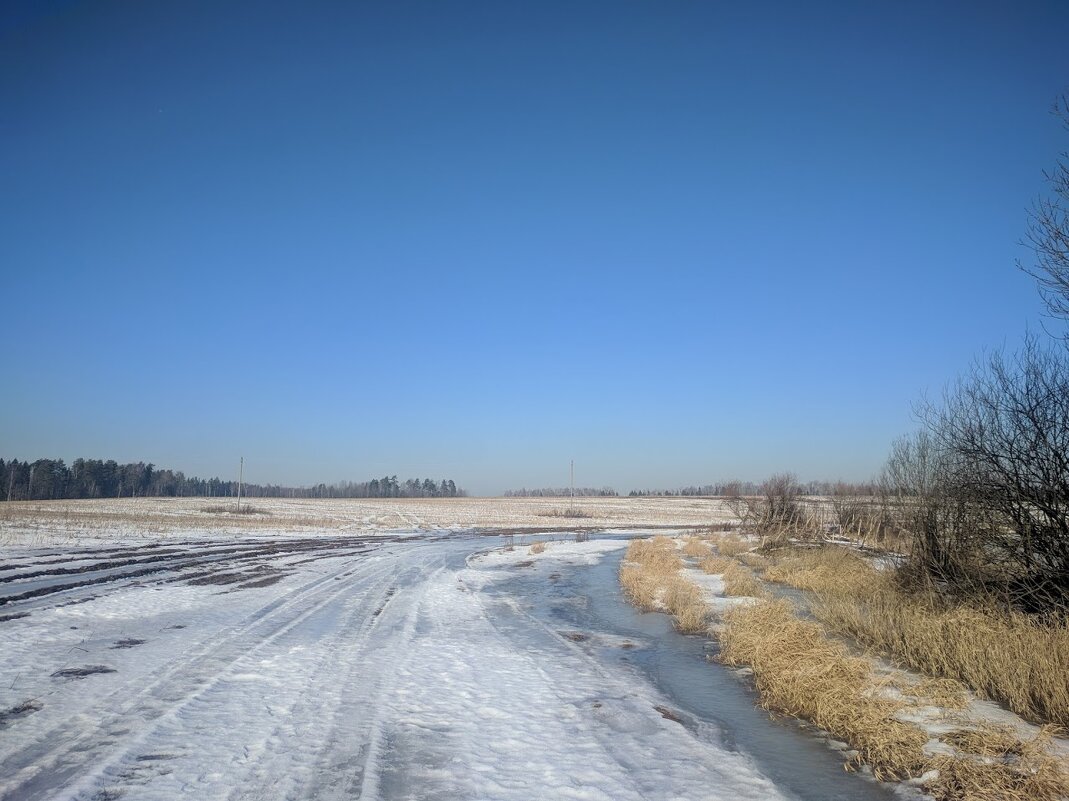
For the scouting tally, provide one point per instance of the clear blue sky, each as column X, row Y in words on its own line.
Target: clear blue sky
column 677, row 242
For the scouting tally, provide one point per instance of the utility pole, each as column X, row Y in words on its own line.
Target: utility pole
column 573, row 484
column 241, row 475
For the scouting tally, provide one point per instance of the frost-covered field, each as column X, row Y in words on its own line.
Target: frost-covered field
column 56, row 522
column 331, row 667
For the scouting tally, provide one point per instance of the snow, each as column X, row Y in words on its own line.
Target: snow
column 386, row 674
column 712, row 587
column 76, row 522
column 576, row 553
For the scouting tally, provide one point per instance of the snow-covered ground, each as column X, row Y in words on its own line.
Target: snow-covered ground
column 43, row 523
column 385, row 667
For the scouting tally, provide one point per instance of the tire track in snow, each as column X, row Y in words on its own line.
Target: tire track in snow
column 38, row 769
column 336, row 765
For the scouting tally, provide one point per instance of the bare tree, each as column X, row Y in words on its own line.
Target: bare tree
column 781, row 494
column 917, row 488
column 738, row 503
column 1004, row 432
column 1048, row 232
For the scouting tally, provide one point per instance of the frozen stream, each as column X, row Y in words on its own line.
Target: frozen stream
column 393, row 667
column 709, row 700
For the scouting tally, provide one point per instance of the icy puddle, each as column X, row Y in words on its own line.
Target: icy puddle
column 578, row 601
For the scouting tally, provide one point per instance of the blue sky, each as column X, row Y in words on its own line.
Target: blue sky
column 676, row 242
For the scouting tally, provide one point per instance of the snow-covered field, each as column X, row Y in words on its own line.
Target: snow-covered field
column 330, row 667
column 119, row 520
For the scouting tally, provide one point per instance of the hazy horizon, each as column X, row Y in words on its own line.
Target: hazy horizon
column 677, row 244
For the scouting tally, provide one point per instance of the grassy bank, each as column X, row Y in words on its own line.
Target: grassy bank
column 800, row 670
column 1005, row 656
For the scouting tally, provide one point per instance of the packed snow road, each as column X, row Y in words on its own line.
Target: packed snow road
column 362, row 667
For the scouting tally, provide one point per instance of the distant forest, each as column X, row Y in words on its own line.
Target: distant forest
column 557, row 492
column 734, row 488
column 51, row 479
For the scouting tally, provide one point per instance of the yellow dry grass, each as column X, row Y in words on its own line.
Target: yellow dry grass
column 1009, row 657
column 947, row 693
column 754, row 560
column 1005, row 656
column 650, row 578
column 714, row 565
column 987, row 740
column 657, row 554
column 739, row 580
column 640, row 586
column 1012, row 771
column 798, row 670
column 695, row 547
column 828, row 570
column 684, row 600
column 731, row 546
column 801, row 671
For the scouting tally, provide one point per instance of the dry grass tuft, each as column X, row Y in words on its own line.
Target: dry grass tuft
column 714, row 565
column 641, row 587
column 732, row 546
column 684, row 600
column 985, row 740
column 798, row 670
column 695, row 547
column 1023, row 771
column 739, row 580
column 1001, row 655
column 538, row 547
column 754, row 560
column 1006, row 656
column 650, row 578
column 658, row 554
column 947, row 693
column 828, row 570
column 928, row 691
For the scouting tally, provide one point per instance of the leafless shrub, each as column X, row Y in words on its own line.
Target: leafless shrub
column 243, row 509
column 1048, row 233
column 996, row 504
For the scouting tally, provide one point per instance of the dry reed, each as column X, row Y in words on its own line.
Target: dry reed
column 739, row 580
column 828, row 570
column 650, row 578
column 695, row 547
column 731, row 546
column 684, row 600
column 754, row 560
column 1005, row 656
column 798, row 670
column 1012, row 771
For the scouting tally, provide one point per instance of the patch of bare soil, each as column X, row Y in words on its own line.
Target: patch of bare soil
column 20, row 711
column 669, row 714
column 82, row 672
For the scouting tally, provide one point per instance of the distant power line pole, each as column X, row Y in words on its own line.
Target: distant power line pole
column 241, row 475
column 573, row 483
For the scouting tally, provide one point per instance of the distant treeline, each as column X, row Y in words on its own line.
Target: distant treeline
column 736, row 488
column 556, row 492
column 51, row 479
